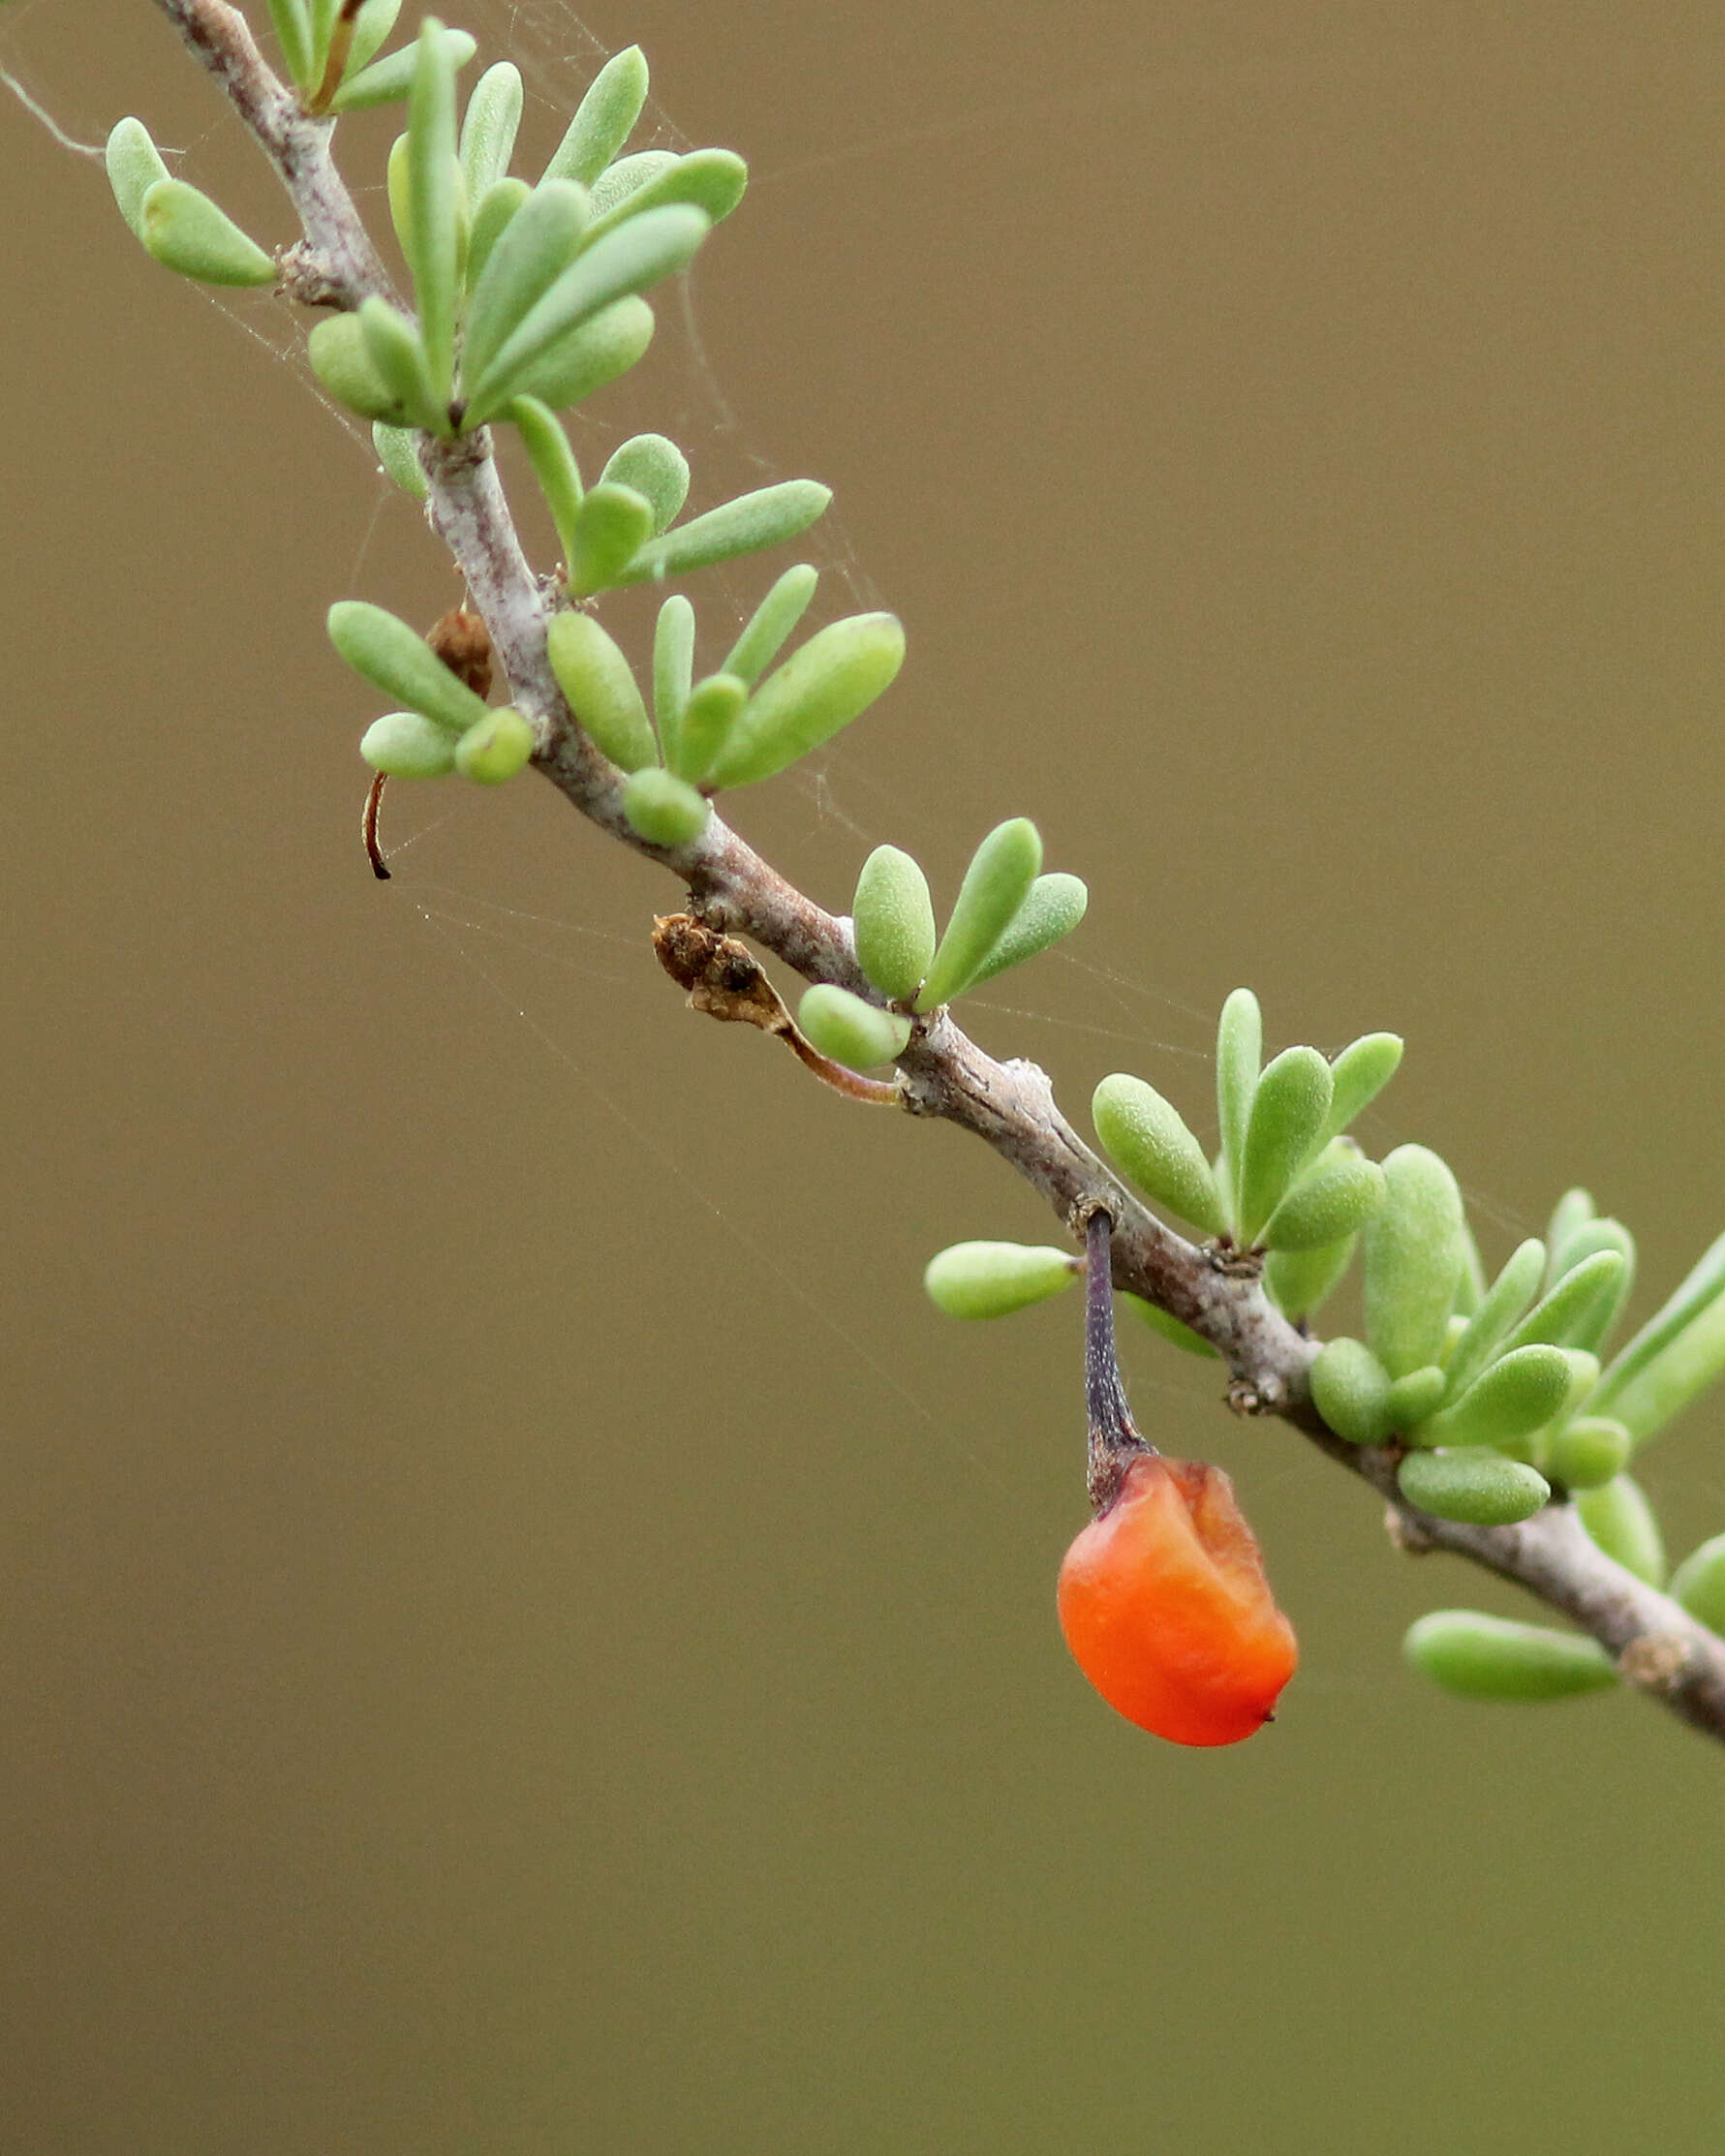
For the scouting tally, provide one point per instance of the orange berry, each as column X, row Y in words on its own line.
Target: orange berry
column 1165, row 1607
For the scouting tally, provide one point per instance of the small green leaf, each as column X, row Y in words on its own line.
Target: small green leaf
column 822, row 687
column 894, row 922
column 1678, row 1351
column 574, row 366
column 294, row 34
column 1515, row 1395
column 1360, row 1073
column 372, row 24
column 1484, row 1657
column 1330, row 1201
column 1170, row 1329
column 842, row 1026
column 1698, row 1584
column 553, row 463
column 997, row 881
column 1476, row 1486
column 133, row 167
column 992, row 1280
column 1414, row 1399
column 1301, row 1281
column 392, row 77
column 488, row 128
column 1053, row 908
column 1583, row 1297
column 599, row 686
column 657, row 470
column 1588, row 1451
column 336, row 349
column 1592, row 1328
column 713, row 180
column 673, row 672
column 404, row 744
column 399, row 457
column 394, row 348
column 638, row 254
column 771, row 623
column 767, row 517
column 393, row 658
column 1289, row 1111
column 1499, row 1311
column 1350, row 1387
column 1572, row 1213
column 611, row 528
column 604, row 120
column 1145, row 1135
column 1412, row 1247
column 709, row 719
column 185, row 232
column 627, row 178
column 531, row 251
column 1238, row 1050
column 434, row 237
column 665, row 810
column 1617, row 1515
column 493, row 213
column 500, row 746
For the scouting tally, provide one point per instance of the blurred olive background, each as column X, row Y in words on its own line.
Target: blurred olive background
column 522, row 1630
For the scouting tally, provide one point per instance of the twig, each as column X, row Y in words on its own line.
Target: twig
column 941, row 1073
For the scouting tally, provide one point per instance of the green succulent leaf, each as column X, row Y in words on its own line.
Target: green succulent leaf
column 1579, row 1307
column 822, row 687
column 392, row 78
column 553, row 463
column 1476, row 1486
column 1588, row 1451
column 894, row 922
column 638, row 254
column 493, row 213
column 1238, row 1051
column 529, row 251
column 996, row 884
column 1053, row 908
column 1329, row 1201
column 1289, row 1111
column 1617, row 1515
column 1413, row 1400
column 1482, row 1658
column 1592, row 1328
column 186, row 232
column 599, row 686
column 406, row 744
column 133, row 167
column 610, row 527
column 1169, row 1327
column 396, row 658
column 1515, row 1395
column 1359, row 1074
column 709, row 719
column 488, row 128
column 663, row 808
column 500, row 746
column 434, row 239
column 399, row 456
column 1146, row 1136
column 1350, row 1387
column 398, row 357
column 372, row 24
column 339, row 357
column 767, row 517
column 605, row 119
column 1698, row 1584
column 657, row 470
column 1500, row 1311
column 1676, row 1354
column 292, row 29
column 627, row 178
column 1412, row 1251
column 770, row 625
column 711, row 180
column 673, row 673
column 1571, row 1213
column 572, row 367
column 1301, row 1281
column 851, row 1032
column 992, row 1280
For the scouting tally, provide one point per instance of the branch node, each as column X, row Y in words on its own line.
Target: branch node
column 1656, row 1662
column 1406, row 1534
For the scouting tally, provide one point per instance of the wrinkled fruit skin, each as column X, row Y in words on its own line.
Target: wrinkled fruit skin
column 1166, row 1609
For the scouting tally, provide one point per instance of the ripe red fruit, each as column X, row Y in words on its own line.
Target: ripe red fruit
column 1166, row 1609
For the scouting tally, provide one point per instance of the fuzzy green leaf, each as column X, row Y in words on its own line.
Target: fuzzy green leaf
column 392, row 78
column 1289, row 1111
column 657, row 470
column 609, row 529
column 185, row 232
column 713, row 180
column 133, row 167
column 1592, row 1328
column 1350, row 1387
column 405, row 745
column 394, row 348
column 996, row 884
column 336, row 349
column 849, row 1030
column 1676, row 1354
column 1360, row 1073
column 399, row 457
column 1484, row 1657
column 605, row 119
column 1238, row 1050
column 1621, row 1521
column 433, row 236
column 1589, row 1450
column 531, row 250
column 767, row 517
column 1476, row 1486
column 663, row 808
column 1577, row 1307
column 673, row 672
column 1515, row 1395
column 894, row 921
column 599, row 686
column 770, row 625
column 1299, row 1281
column 992, row 1280
column 1146, row 1137
column 709, row 719
column 1413, row 1400
column 493, row 213
column 1412, row 1249
column 822, row 687
column 500, row 746
column 1053, row 908
column 393, row 658
column 1332, row 1200
column 627, row 178
column 1500, row 1311
column 576, row 365
column 1698, row 1584
column 488, row 128
column 553, row 463
column 292, row 29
